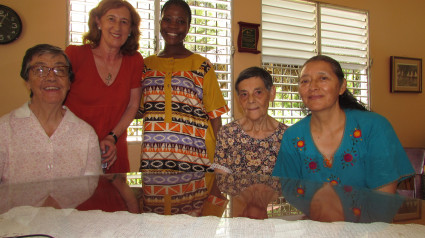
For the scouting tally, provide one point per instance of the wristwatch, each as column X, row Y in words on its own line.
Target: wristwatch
column 113, row 135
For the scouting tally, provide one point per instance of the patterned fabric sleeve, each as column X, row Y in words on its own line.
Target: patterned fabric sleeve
column 213, row 100
column 221, row 149
column 234, row 184
column 141, row 110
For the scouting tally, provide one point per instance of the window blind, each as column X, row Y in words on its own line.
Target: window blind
column 294, row 31
column 288, row 31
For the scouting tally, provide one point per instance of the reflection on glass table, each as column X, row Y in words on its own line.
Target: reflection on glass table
column 196, row 195
column 291, row 199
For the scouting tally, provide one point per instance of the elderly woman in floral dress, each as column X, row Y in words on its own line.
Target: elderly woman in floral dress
column 250, row 145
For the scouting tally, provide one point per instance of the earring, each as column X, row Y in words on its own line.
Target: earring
column 99, row 28
column 129, row 35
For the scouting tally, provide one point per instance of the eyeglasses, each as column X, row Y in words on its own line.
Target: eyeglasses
column 43, row 71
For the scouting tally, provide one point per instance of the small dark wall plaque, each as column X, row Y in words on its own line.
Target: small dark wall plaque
column 248, row 37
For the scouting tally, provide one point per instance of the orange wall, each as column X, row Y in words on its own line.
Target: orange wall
column 44, row 21
column 396, row 30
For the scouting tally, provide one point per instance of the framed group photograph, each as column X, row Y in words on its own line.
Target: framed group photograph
column 406, row 74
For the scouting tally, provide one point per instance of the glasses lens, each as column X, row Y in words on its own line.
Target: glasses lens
column 40, row 70
column 43, row 71
column 61, row 71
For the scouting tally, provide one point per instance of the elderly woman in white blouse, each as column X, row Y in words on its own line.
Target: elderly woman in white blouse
column 42, row 139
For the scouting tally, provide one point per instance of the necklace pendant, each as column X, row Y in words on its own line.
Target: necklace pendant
column 108, row 78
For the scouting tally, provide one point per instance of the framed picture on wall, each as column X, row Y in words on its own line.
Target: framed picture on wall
column 248, row 37
column 406, row 74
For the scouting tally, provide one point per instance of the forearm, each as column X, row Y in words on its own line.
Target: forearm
column 129, row 113
column 389, row 188
column 126, row 193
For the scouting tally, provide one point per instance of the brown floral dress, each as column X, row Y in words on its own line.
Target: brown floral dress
column 237, row 152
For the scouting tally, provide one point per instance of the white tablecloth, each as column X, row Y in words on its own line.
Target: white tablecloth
column 73, row 223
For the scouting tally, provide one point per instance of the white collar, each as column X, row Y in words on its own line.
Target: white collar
column 24, row 111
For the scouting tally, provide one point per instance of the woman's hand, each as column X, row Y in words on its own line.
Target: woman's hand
column 110, row 155
column 256, row 198
column 109, row 150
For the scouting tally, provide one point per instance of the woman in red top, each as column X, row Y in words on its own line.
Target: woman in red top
column 108, row 69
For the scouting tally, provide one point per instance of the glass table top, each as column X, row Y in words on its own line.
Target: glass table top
column 208, row 194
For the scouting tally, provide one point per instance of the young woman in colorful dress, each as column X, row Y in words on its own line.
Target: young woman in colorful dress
column 181, row 102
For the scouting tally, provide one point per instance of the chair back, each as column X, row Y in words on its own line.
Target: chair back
column 417, row 158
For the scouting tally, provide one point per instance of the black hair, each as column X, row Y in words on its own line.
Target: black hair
column 255, row 72
column 347, row 99
column 181, row 4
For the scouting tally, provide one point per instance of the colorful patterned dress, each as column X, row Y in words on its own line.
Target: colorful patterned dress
column 237, row 152
column 369, row 156
column 181, row 193
column 179, row 97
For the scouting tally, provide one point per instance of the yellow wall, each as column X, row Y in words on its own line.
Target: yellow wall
column 44, row 21
column 396, row 30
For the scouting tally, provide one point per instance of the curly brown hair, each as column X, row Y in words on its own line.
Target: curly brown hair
column 92, row 37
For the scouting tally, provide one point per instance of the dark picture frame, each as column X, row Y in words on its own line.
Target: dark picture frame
column 406, row 74
column 248, row 37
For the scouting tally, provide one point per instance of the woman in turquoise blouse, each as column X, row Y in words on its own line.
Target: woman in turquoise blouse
column 340, row 141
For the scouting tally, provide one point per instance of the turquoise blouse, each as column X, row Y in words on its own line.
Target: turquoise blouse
column 370, row 154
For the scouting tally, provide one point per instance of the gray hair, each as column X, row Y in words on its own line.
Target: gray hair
column 255, row 72
column 40, row 50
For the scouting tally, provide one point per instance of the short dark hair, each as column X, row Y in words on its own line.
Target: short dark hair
column 181, row 4
column 347, row 99
column 255, row 72
column 93, row 36
column 40, row 50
